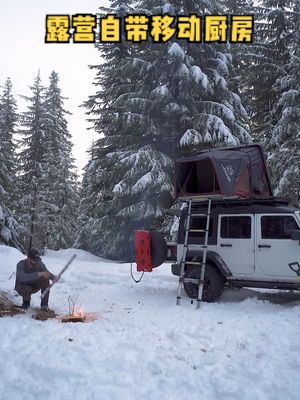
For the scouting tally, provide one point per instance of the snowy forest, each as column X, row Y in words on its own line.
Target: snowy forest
column 152, row 103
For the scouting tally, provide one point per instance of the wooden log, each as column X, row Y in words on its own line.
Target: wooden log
column 73, row 318
column 42, row 315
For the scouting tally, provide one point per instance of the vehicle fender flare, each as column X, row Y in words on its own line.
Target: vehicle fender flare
column 212, row 258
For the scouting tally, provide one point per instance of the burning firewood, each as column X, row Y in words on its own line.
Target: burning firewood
column 72, row 318
column 75, row 316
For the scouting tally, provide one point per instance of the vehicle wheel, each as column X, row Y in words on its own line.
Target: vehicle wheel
column 213, row 283
column 158, row 249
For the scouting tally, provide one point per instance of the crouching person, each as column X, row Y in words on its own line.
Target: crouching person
column 32, row 276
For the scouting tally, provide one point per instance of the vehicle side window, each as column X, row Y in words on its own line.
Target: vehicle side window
column 200, row 223
column 277, row 226
column 236, row 227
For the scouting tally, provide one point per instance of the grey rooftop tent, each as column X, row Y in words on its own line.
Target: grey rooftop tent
column 236, row 171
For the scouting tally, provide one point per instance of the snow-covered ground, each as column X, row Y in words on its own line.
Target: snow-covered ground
column 143, row 346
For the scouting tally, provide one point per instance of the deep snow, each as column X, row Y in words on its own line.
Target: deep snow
column 143, row 346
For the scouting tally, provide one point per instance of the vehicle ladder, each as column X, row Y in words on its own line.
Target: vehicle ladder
column 184, row 262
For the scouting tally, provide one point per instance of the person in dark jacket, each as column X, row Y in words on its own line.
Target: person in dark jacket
column 32, row 276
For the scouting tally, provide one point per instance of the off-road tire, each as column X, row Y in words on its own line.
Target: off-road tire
column 158, row 248
column 213, row 283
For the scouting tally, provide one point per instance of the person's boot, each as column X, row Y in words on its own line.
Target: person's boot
column 44, row 307
column 26, row 304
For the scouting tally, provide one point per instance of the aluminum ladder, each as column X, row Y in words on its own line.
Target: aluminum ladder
column 184, row 262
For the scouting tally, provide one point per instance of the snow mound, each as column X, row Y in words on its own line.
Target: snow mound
column 10, row 252
column 9, row 257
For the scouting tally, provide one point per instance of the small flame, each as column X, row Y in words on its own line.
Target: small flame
column 78, row 312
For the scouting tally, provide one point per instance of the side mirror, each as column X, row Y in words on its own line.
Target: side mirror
column 295, row 234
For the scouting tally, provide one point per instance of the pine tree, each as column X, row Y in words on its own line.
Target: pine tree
column 156, row 103
column 8, row 121
column 238, row 80
column 9, row 227
column 266, row 59
column 219, row 117
column 284, row 144
column 269, row 89
column 190, row 101
column 194, row 104
column 33, row 202
column 120, row 195
column 59, row 170
column 85, row 221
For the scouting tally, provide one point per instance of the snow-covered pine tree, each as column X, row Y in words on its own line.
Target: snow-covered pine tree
column 192, row 102
column 33, row 195
column 284, row 144
column 85, row 222
column 155, row 98
column 266, row 59
column 59, row 170
column 129, row 177
column 240, row 64
column 9, row 227
column 267, row 89
column 8, row 122
column 218, row 118
column 172, row 81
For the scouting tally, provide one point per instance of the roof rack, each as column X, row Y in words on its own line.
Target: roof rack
column 234, row 200
column 207, row 197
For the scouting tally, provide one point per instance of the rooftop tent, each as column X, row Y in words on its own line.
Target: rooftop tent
column 238, row 171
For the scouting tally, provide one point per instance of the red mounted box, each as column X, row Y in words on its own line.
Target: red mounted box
column 142, row 245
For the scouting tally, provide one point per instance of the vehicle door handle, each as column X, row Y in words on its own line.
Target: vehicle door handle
column 226, row 245
column 264, row 246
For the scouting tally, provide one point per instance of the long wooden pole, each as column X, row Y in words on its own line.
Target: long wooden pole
column 59, row 276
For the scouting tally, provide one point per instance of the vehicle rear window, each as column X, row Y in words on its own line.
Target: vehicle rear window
column 277, row 226
column 236, row 227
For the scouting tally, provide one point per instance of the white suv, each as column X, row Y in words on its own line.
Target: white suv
column 253, row 243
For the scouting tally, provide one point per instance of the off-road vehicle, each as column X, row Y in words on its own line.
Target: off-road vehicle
column 231, row 230
column 253, row 243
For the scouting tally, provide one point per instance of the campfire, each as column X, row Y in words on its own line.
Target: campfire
column 77, row 315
